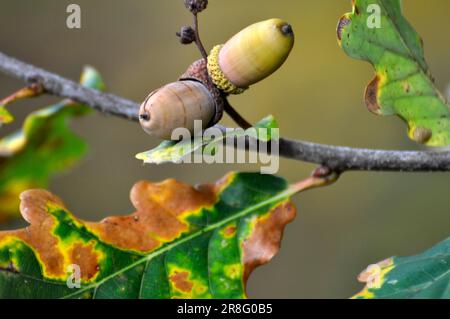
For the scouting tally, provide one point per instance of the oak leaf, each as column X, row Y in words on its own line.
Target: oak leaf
column 376, row 31
column 182, row 242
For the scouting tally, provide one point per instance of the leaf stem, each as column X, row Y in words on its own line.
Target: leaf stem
column 32, row 90
column 321, row 176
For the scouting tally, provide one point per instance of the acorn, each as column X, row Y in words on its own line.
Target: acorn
column 175, row 105
column 251, row 55
column 248, row 57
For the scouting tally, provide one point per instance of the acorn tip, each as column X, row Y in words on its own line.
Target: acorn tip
column 144, row 116
column 286, row 29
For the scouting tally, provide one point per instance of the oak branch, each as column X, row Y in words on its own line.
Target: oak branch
column 337, row 158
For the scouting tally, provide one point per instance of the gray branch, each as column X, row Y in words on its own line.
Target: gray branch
column 335, row 157
column 57, row 85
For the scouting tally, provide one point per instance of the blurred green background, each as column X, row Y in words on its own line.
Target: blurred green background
column 317, row 95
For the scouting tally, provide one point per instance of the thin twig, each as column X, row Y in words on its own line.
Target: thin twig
column 337, row 158
column 235, row 115
column 198, row 41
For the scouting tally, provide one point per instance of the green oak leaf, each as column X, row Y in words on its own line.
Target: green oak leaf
column 403, row 84
column 426, row 275
column 45, row 145
column 182, row 241
column 176, row 151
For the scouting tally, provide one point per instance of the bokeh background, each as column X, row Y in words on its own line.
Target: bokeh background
column 317, row 95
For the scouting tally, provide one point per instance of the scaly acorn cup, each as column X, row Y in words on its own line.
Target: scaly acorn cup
column 250, row 56
column 177, row 105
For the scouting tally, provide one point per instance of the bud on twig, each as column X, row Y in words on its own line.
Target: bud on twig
column 322, row 171
column 186, row 35
column 196, row 6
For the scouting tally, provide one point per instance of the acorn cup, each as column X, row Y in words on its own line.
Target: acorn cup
column 248, row 57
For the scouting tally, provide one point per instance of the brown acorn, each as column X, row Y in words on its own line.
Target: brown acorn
column 176, row 105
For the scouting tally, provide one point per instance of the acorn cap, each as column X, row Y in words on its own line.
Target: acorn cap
column 251, row 55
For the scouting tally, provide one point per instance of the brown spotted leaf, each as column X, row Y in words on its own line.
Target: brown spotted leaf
column 182, row 242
